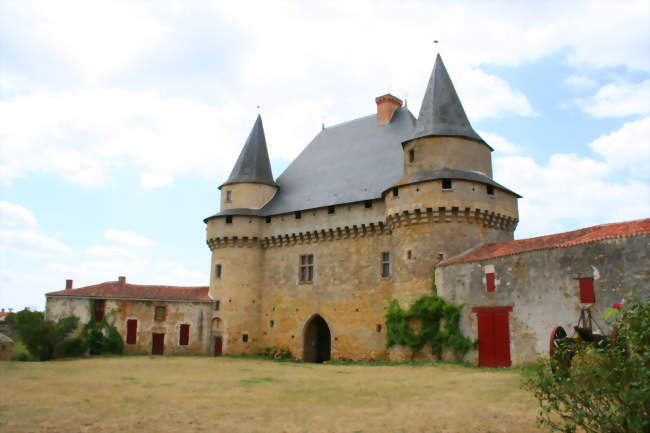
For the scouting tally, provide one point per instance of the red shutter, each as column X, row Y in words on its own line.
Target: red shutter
column 489, row 282
column 485, row 340
column 99, row 310
column 587, row 291
column 131, row 330
column 493, row 336
column 185, row 335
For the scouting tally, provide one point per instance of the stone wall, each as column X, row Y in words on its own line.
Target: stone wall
column 543, row 289
column 197, row 314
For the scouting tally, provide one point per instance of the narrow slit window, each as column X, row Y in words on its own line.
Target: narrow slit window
column 228, row 196
column 306, row 271
column 184, row 337
column 446, row 183
column 217, row 305
column 378, row 328
column 244, row 338
column 217, row 272
column 385, row 264
column 271, row 324
column 411, row 155
column 395, row 192
column 490, row 190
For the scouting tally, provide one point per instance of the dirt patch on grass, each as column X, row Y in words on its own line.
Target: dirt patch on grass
column 194, row 394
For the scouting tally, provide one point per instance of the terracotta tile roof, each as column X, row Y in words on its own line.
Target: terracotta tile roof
column 559, row 240
column 115, row 289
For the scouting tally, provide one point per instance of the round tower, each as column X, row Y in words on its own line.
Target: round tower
column 234, row 237
column 447, row 201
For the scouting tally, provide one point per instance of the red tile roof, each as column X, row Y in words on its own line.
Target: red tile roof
column 115, row 289
column 559, row 240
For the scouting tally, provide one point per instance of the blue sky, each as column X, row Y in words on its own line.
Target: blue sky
column 119, row 120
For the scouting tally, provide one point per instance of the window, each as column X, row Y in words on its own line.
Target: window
column 368, row 204
column 131, row 331
column 228, row 196
column 271, row 324
column 395, row 192
column 217, row 272
column 306, row 272
column 216, row 305
column 411, row 155
column 385, row 264
column 378, row 328
column 99, row 306
column 490, row 190
column 587, row 295
column 409, row 254
column 330, row 209
column 159, row 314
column 184, row 337
column 446, row 183
column 268, row 220
column 298, row 215
column 489, row 282
column 229, row 219
column 244, row 338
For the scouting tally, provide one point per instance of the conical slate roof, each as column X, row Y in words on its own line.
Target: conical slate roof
column 253, row 164
column 441, row 113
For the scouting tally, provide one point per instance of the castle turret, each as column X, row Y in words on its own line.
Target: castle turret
column 234, row 236
column 250, row 184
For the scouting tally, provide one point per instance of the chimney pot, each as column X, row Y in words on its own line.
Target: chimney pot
column 386, row 106
column 11, row 310
column 68, row 284
column 3, row 310
column 122, row 281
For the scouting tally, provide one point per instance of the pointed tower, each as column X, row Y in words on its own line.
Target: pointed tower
column 443, row 137
column 250, row 184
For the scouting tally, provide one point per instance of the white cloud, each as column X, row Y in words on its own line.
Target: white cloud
column 107, row 251
column 14, row 215
column 569, row 191
column 618, row 100
column 155, row 179
column 580, row 82
column 128, row 238
column 500, row 144
column 627, row 148
column 30, row 242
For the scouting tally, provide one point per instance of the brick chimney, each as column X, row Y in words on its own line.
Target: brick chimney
column 386, row 106
column 68, row 284
column 122, row 281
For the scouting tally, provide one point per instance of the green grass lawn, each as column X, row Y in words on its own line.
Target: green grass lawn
column 201, row 394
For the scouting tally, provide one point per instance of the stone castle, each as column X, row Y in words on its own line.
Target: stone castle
column 364, row 215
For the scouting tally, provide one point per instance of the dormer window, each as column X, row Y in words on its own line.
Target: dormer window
column 446, row 183
column 228, row 196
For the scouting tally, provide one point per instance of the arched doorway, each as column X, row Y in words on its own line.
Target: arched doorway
column 317, row 340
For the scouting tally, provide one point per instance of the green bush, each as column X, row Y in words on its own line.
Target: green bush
column 274, row 352
column 101, row 337
column 604, row 388
column 41, row 337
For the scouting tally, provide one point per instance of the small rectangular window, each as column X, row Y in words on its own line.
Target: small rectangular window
column 368, row 204
column 99, row 306
column 298, row 215
column 489, row 282
column 184, row 337
column 228, row 196
column 411, row 155
column 306, row 271
column 330, row 210
column 228, row 219
column 395, row 192
column 216, row 305
column 159, row 314
column 378, row 328
column 244, row 338
column 490, row 190
column 587, row 295
column 131, row 331
column 217, row 272
column 446, row 183
column 385, row 264
column 268, row 220
column 271, row 324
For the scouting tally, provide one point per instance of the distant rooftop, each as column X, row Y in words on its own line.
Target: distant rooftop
column 559, row 240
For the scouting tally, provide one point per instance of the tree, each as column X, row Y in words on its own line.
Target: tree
column 42, row 337
column 604, row 388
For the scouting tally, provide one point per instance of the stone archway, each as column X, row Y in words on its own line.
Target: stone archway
column 317, row 340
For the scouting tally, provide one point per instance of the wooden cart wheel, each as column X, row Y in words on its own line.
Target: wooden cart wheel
column 558, row 334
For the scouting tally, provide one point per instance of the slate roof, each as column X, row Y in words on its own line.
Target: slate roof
column 253, row 164
column 116, row 290
column 441, row 113
column 559, row 240
column 448, row 173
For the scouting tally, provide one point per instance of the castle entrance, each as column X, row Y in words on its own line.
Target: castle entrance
column 317, row 340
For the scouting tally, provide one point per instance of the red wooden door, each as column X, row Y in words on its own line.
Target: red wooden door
column 158, row 344
column 493, row 336
column 217, row 346
column 131, row 331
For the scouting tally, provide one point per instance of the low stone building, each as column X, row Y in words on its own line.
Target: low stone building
column 150, row 319
column 6, row 348
column 515, row 293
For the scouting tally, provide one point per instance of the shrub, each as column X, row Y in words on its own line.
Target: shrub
column 41, row 337
column 274, row 352
column 605, row 388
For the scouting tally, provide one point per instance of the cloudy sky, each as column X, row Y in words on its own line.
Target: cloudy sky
column 118, row 121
